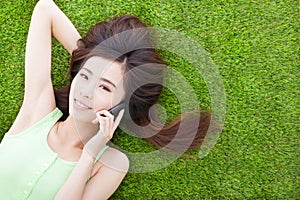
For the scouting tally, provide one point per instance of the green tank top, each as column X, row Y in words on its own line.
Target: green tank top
column 29, row 169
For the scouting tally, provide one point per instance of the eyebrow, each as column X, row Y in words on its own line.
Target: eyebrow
column 89, row 71
column 108, row 81
column 101, row 79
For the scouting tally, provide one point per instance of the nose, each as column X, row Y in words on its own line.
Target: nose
column 87, row 92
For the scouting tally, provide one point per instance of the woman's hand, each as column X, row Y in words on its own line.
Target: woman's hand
column 107, row 127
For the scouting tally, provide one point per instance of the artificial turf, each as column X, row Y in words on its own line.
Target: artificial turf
column 255, row 47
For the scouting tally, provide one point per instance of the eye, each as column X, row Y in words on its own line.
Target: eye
column 105, row 88
column 84, row 76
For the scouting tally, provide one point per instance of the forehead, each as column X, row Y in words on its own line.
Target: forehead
column 103, row 68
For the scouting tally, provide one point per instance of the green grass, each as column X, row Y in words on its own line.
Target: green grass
column 255, row 45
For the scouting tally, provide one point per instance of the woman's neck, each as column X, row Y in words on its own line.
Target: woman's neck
column 75, row 133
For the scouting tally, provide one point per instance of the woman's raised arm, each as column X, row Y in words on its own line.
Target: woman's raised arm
column 47, row 20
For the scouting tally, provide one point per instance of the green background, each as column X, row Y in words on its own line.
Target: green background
column 255, row 46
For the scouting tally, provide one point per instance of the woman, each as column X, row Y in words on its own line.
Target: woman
column 56, row 148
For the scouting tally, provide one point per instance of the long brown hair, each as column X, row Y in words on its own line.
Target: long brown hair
column 135, row 49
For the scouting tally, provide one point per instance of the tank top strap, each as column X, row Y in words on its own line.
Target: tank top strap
column 97, row 158
column 100, row 153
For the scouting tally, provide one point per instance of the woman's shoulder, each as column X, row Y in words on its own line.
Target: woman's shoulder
column 24, row 122
column 115, row 159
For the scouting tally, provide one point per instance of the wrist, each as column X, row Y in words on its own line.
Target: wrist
column 86, row 158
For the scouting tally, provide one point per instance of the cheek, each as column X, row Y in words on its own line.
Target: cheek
column 71, row 93
column 102, row 101
column 75, row 87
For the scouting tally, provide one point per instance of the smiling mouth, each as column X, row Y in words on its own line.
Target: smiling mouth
column 81, row 105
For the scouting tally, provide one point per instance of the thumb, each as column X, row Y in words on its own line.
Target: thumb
column 118, row 119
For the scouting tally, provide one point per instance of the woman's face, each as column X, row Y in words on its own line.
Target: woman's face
column 97, row 86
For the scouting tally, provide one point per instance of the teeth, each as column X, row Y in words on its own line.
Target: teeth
column 81, row 105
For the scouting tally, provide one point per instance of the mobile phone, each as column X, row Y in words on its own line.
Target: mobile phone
column 116, row 109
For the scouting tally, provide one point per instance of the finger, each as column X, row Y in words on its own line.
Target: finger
column 106, row 120
column 110, row 127
column 107, row 129
column 118, row 119
column 98, row 119
column 106, row 126
column 98, row 116
column 105, row 113
column 95, row 121
column 102, row 127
